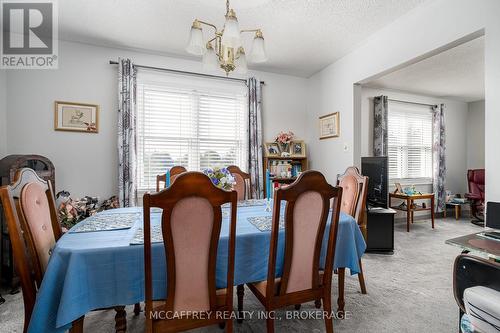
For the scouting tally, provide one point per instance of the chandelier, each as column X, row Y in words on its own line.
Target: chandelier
column 225, row 50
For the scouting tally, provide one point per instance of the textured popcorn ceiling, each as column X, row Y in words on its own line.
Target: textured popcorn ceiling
column 457, row 73
column 302, row 36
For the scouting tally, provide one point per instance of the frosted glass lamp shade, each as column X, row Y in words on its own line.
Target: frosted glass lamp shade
column 196, row 45
column 258, row 53
column 210, row 63
column 231, row 36
column 241, row 62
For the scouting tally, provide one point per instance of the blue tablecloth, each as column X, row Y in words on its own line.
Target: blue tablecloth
column 95, row 270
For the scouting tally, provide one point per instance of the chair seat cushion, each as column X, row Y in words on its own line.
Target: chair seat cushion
column 483, row 308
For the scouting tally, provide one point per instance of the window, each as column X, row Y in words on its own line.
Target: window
column 193, row 122
column 410, row 142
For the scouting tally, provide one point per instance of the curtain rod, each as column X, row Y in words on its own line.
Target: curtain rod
column 408, row 102
column 112, row 62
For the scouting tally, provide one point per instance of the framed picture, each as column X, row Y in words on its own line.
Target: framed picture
column 399, row 189
column 272, row 149
column 329, row 126
column 298, row 149
column 76, row 117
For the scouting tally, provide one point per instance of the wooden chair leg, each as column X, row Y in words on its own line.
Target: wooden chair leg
column 137, row 309
column 270, row 324
column 240, row 292
column 432, row 213
column 361, row 278
column 120, row 319
column 408, row 215
column 340, row 301
column 77, row 326
column 327, row 308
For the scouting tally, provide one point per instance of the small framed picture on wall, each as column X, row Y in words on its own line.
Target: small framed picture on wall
column 329, row 126
column 76, row 117
column 298, row 149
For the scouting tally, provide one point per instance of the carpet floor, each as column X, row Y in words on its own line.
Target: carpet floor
column 409, row 291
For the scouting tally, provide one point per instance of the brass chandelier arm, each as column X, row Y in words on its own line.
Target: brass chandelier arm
column 250, row 30
column 258, row 32
column 209, row 24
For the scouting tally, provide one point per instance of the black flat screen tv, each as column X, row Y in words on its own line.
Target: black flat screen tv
column 376, row 168
column 493, row 215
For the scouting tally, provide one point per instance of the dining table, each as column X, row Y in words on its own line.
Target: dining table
column 92, row 267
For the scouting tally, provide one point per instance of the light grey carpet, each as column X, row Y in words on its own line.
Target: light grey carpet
column 410, row 291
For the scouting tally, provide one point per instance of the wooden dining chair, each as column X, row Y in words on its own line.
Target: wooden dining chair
column 174, row 172
column 306, row 214
column 30, row 211
column 31, row 214
column 243, row 184
column 191, row 224
column 355, row 190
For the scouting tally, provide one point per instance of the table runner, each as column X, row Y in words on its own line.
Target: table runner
column 101, row 269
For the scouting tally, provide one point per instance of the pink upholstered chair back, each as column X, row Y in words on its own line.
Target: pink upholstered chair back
column 355, row 190
column 307, row 221
column 243, row 185
column 307, row 210
column 191, row 223
column 36, row 210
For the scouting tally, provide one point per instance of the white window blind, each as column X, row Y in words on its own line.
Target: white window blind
column 410, row 142
column 193, row 122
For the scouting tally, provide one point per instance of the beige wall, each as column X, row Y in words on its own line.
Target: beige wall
column 86, row 164
column 475, row 135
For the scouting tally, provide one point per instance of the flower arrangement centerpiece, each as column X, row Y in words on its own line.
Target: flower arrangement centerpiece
column 220, row 177
column 284, row 139
column 71, row 211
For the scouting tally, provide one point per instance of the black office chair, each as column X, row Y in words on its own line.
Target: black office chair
column 470, row 271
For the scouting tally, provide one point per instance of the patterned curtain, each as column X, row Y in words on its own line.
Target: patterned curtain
column 255, row 161
column 380, row 127
column 127, row 177
column 438, row 158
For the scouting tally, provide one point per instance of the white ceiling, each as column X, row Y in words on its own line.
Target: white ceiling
column 457, row 73
column 302, row 36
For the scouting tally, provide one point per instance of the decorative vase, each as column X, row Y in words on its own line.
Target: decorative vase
column 285, row 148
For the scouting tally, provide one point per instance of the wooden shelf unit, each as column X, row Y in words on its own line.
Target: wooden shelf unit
column 294, row 160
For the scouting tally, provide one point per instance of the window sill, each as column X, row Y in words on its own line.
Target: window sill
column 408, row 182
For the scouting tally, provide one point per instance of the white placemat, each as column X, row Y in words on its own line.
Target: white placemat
column 107, row 222
column 156, row 236
column 264, row 223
